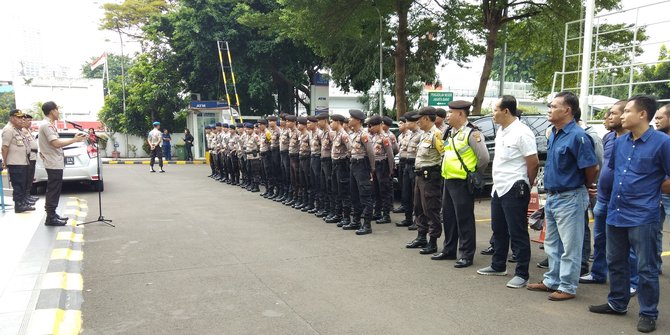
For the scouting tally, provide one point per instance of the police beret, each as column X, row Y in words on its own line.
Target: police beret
column 249, row 125
column 312, row 118
column 460, row 104
column 402, row 119
column 291, row 118
column 239, row 125
column 208, row 127
column 156, row 123
column 441, row 112
column 387, row 121
column 322, row 116
column 218, row 124
column 357, row 114
column 232, row 126
column 374, row 120
column 427, row 111
column 302, row 120
column 225, row 125
column 412, row 116
column 272, row 118
column 263, row 121
column 337, row 117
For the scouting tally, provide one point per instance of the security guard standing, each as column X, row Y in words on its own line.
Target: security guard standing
column 402, row 147
column 32, row 143
column 465, row 149
column 266, row 155
column 428, row 183
column 284, row 140
column 362, row 166
column 294, row 158
column 314, row 164
column 384, row 166
column 208, row 149
column 304, row 172
column 409, row 176
column 233, row 162
column 252, row 151
column 15, row 154
column 326, row 172
column 275, row 169
column 341, row 164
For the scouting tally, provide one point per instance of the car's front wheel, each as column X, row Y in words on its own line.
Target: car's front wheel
column 98, row 185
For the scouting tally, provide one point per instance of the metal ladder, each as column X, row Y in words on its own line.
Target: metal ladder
column 228, row 67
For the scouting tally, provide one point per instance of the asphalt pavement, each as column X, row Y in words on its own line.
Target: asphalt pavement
column 193, row 256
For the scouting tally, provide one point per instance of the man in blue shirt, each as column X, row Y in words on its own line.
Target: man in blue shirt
column 641, row 162
column 571, row 165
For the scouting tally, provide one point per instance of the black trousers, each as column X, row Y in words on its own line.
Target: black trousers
column 361, row 188
column 458, row 217
column 286, row 171
column 266, row 169
column 384, row 186
column 401, row 171
column 407, row 186
column 427, row 195
column 30, row 176
column 220, row 162
column 341, row 188
column 305, row 178
column 294, row 177
column 157, row 152
column 326, row 184
column 243, row 167
column 17, row 177
column 315, row 180
column 54, row 186
column 189, row 153
column 254, row 170
column 235, row 167
column 275, row 175
column 510, row 224
column 211, row 162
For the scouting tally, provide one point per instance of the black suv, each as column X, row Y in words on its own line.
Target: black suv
column 538, row 123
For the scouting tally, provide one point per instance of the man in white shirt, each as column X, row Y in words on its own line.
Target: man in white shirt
column 515, row 167
column 155, row 139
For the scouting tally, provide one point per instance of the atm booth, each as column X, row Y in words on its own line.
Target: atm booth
column 201, row 114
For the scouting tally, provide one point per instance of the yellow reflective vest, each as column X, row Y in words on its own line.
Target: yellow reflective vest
column 451, row 165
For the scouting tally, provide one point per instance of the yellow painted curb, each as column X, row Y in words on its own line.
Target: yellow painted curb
column 55, row 321
column 70, row 236
column 67, row 254
column 62, row 280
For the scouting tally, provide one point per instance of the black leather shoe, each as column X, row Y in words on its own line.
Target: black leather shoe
column 403, row 223
column 463, row 263
column 400, row 209
column 488, row 251
column 646, row 324
column 53, row 221
column 334, row 219
column 23, row 207
column 321, row 214
column 412, row 227
column 417, row 243
column 429, row 249
column 604, row 309
column 353, row 225
column 62, row 218
column 32, row 198
column 442, row 256
column 376, row 216
column 385, row 219
column 313, row 211
column 365, row 229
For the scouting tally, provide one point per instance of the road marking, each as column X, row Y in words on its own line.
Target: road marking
column 67, row 254
column 62, row 280
column 69, row 236
column 55, row 321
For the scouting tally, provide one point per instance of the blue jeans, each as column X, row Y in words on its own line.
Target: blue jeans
column 599, row 265
column 564, row 214
column 619, row 241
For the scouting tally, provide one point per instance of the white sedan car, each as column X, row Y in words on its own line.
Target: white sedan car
column 81, row 164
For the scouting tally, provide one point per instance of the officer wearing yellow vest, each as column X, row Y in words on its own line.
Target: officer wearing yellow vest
column 458, row 204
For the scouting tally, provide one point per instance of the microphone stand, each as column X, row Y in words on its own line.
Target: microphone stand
column 101, row 218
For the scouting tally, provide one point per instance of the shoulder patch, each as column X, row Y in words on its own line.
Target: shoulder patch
column 477, row 136
column 364, row 138
column 386, row 142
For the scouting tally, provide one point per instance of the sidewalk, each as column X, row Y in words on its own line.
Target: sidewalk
column 146, row 161
column 40, row 266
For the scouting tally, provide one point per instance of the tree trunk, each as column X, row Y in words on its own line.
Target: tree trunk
column 491, row 39
column 400, row 58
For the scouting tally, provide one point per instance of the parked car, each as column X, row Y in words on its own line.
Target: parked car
column 538, row 123
column 81, row 165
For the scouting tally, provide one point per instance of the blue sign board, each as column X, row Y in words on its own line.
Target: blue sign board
column 320, row 79
column 208, row 104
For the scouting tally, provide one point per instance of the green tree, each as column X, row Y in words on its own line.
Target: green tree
column 131, row 16
column 659, row 71
column 7, row 103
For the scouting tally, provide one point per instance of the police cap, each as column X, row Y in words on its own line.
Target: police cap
column 239, row 125
column 263, row 121
column 387, row 121
column 232, row 126
column 427, row 111
column 16, row 112
column 357, row 114
column 249, row 125
column 337, row 117
column 290, row 118
column 225, row 125
column 374, row 120
column 302, row 120
column 218, row 124
column 312, row 118
column 402, row 119
column 460, row 104
column 412, row 116
column 272, row 118
column 441, row 112
column 322, row 116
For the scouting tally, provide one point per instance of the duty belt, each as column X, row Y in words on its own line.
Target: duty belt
column 410, row 161
column 304, row 157
column 316, row 155
column 403, row 160
column 325, row 158
column 293, row 155
column 264, row 153
column 341, row 160
column 434, row 168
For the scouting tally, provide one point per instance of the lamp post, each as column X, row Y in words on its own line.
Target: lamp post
column 381, row 91
column 123, row 78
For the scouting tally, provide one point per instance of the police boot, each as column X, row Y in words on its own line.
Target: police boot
column 309, row 205
column 333, row 218
column 353, row 225
column 386, row 218
column 32, row 198
column 20, row 207
column 430, row 248
column 321, row 213
column 419, row 242
column 254, row 188
column 291, row 200
column 365, row 229
column 376, row 216
column 53, row 220
column 344, row 221
column 412, row 227
column 404, row 223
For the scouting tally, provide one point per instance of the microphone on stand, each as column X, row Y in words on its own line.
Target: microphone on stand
column 76, row 125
